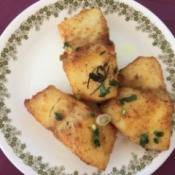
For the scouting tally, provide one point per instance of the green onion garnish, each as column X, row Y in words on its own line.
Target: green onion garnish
column 127, row 99
column 95, row 136
column 103, row 119
column 115, row 71
column 66, row 44
column 144, row 140
column 96, row 143
column 113, row 82
column 78, row 96
column 156, row 140
column 158, row 133
column 77, row 49
column 58, row 116
column 92, row 115
column 103, row 90
column 123, row 111
column 93, row 127
column 102, row 53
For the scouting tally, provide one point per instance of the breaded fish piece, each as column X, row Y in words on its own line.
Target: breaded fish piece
column 89, row 59
column 144, row 73
column 85, row 28
column 71, row 123
column 91, row 71
column 142, row 117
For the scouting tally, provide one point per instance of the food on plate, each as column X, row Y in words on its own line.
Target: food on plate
column 136, row 100
column 74, row 124
column 143, row 110
column 142, row 117
column 91, row 72
column 89, row 26
column 144, row 73
column 89, row 59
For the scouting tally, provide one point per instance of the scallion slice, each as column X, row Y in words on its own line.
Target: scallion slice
column 103, row 119
column 144, row 140
column 67, row 44
column 103, row 90
column 115, row 71
column 92, row 115
column 113, row 82
column 58, row 116
column 78, row 96
column 127, row 99
column 158, row 133
column 156, row 140
column 123, row 111
column 102, row 53
column 96, row 135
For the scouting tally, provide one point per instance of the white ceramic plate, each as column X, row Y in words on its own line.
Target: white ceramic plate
column 29, row 62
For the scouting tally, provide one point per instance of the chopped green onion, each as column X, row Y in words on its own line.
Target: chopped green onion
column 113, row 82
column 66, row 44
column 92, row 115
column 103, row 91
column 92, row 104
column 115, row 71
column 103, row 119
column 77, row 49
column 58, row 116
column 102, row 53
column 95, row 136
column 93, row 127
column 144, row 140
column 78, row 96
column 123, row 111
column 158, row 133
column 156, row 140
column 127, row 99
column 96, row 143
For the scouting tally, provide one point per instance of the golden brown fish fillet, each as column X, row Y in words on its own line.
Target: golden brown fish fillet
column 89, row 59
column 70, row 122
column 87, row 27
column 150, row 114
column 145, row 120
column 144, row 73
column 78, row 66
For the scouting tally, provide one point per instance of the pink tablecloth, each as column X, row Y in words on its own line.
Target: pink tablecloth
column 165, row 9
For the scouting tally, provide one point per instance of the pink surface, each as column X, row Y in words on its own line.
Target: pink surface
column 164, row 9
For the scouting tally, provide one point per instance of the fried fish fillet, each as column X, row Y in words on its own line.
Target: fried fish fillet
column 145, row 119
column 151, row 112
column 70, row 122
column 144, row 73
column 89, row 59
column 97, row 60
column 87, row 27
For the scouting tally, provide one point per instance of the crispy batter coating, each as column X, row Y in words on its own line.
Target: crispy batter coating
column 87, row 27
column 74, row 128
column 145, row 115
column 150, row 112
column 87, row 48
column 143, row 72
column 78, row 66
